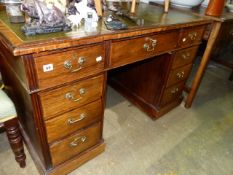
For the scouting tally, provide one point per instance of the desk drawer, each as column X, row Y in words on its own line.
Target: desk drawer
column 75, row 144
column 131, row 50
column 172, row 93
column 179, row 74
column 185, row 56
column 191, row 36
column 63, row 99
column 74, row 120
column 67, row 66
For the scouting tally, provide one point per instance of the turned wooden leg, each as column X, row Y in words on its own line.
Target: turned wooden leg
column 204, row 61
column 15, row 140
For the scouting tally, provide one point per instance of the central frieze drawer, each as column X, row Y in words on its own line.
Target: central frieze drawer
column 75, row 144
column 70, row 65
column 74, row 120
column 131, row 50
column 69, row 97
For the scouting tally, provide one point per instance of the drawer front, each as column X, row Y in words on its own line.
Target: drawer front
column 67, row 66
column 132, row 50
column 63, row 99
column 172, row 93
column 75, row 144
column 179, row 74
column 191, row 36
column 185, row 56
column 74, row 120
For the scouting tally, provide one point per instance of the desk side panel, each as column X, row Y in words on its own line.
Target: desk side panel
column 143, row 81
column 13, row 74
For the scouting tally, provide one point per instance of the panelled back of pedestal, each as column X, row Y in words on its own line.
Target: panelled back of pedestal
column 182, row 61
column 71, row 89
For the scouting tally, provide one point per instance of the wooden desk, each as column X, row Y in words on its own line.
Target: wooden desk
column 59, row 80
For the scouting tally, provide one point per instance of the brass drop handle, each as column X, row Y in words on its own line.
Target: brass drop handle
column 186, row 55
column 71, row 121
column 192, row 36
column 80, row 61
column 175, row 90
column 77, row 141
column 70, row 96
column 180, row 75
column 150, row 47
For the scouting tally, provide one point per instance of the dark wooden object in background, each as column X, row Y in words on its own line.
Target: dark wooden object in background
column 223, row 48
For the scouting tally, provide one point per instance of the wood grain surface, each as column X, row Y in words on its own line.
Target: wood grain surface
column 59, row 126
column 179, row 74
column 93, row 63
column 191, row 35
column 55, row 102
column 62, row 150
column 172, row 93
column 185, row 56
column 132, row 50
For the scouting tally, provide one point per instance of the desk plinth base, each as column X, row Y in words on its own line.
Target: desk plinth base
column 152, row 111
column 77, row 161
column 67, row 166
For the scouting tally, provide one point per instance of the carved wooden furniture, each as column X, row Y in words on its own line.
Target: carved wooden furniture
column 9, row 122
column 60, row 79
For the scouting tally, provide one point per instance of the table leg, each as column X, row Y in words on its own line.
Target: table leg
column 15, row 140
column 204, row 61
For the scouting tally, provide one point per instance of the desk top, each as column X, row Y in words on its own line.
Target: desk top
column 155, row 20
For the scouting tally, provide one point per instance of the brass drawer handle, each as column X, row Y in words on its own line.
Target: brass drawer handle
column 192, row 36
column 71, row 121
column 70, row 96
column 175, row 90
column 80, row 61
column 180, row 75
column 186, row 55
column 77, row 141
column 150, row 47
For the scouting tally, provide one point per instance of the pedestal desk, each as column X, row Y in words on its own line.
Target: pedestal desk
column 59, row 80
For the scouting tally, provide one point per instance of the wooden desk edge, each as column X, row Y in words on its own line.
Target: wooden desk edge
column 18, row 48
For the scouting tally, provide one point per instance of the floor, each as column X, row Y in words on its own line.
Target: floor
column 196, row 141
